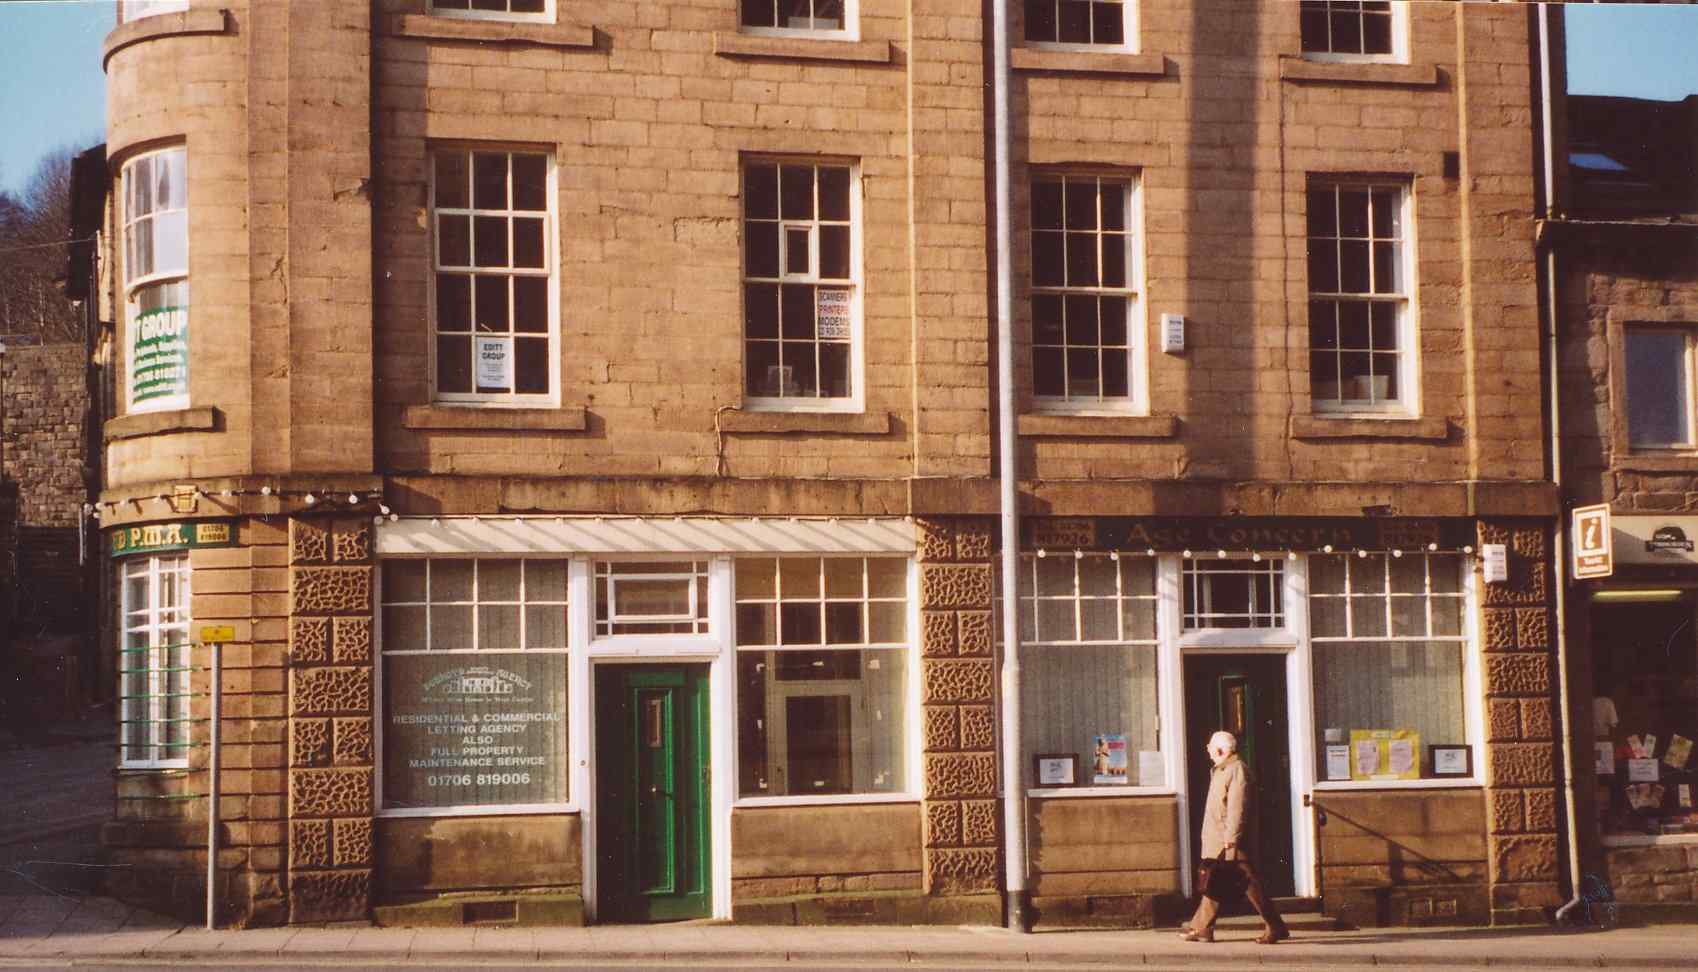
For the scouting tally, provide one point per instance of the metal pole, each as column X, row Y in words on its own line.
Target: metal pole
column 217, row 669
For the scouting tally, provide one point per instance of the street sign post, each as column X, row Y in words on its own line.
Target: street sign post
column 1593, row 555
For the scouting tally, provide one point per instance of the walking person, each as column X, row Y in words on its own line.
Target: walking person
column 1228, row 847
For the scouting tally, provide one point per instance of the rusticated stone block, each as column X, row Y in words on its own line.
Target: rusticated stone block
column 936, row 539
column 1520, row 764
column 975, row 539
column 1532, row 628
column 350, row 541
column 1495, row 533
column 943, row 732
column 1529, row 542
column 309, row 541
column 957, row 681
column 943, row 823
column 1520, row 674
column 330, row 590
column 1536, row 719
column 937, row 633
column 976, row 635
column 309, row 843
column 961, row 871
column 978, row 727
column 352, row 644
column 330, row 793
column 1507, row 814
column 321, row 691
column 1500, row 629
column 1503, row 719
column 1523, row 858
column 960, row 775
column 352, row 847
column 955, row 586
column 329, row 896
column 1541, row 811
column 979, row 823
column 1526, row 584
column 309, row 640
column 353, row 742
column 309, row 742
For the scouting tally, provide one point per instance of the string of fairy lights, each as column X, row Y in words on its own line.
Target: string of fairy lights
column 1256, row 556
column 352, row 501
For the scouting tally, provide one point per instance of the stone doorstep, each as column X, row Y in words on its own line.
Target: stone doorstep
column 484, row 911
column 871, row 908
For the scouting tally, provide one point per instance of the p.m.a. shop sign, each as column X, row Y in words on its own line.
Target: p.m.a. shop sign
column 159, row 537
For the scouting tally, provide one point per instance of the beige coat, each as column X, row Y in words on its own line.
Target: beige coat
column 1226, row 809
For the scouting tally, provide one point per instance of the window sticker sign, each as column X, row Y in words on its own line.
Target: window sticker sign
column 832, row 315
column 472, row 729
column 159, row 358
column 494, row 363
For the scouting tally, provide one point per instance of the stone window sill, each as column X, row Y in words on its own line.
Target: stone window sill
column 1097, row 426
column 492, row 31
column 137, row 424
column 1391, row 75
column 779, row 423
column 1088, row 62
column 181, row 23
column 1671, row 461
column 571, row 418
column 727, row 44
column 1432, row 429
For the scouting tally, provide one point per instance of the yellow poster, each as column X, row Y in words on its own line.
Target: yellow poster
column 1385, row 754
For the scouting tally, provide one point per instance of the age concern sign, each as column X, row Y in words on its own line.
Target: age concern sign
column 1590, row 533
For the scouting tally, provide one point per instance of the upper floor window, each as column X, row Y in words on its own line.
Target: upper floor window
column 494, row 9
column 1660, row 378
column 1085, row 339
column 156, row 279
column 792, row 17
column 801, row 284
column 1084, row 23
column 1354, row 30
column 1361, row 344
column 129, row 10
column 496, row 310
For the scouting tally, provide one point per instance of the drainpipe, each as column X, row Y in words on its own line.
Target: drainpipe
column 1013, row 776
column 1560, row 534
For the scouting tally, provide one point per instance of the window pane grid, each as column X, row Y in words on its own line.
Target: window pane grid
column 1093, row 22
column 1090, row 599
column 1083, row 297
column 1373, row 597
column 525, row 9
column 154, row 663
column 156, row 215
column 1233, row 593
column 456, row 609
column 797, row 15
column 646, row 598
column 778, row 609
column 1358, row 293
column 1347, row 27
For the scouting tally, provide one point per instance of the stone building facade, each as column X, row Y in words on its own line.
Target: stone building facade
column 621, row 378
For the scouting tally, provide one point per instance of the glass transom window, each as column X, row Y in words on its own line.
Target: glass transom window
column 1234, row 592
column 644, row 598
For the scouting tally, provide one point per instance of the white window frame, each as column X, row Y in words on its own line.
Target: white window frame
column 850, row 31
column 1407, row 404
column 129, row 10
column 1399, row 42
column 1688, row 381
column 133, row 286
column 1137, row 400
column 1281, row 634
column 158, row 708
column 551, row 272
column 574, row 780
column 545, row 17
column 1128, row 28
column 855, row 401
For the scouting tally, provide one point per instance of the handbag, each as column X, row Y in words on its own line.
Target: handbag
column 1223, row 880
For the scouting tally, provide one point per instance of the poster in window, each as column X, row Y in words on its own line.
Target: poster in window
column 832, row 314
column 1603, row 760
column 1338, row 761
column 1642, row 771
column 1679, row 751
column 1385, row 754
column 1056, row 769
column 494, row 363
column 1450, row 760
column 1109, row 759
column 466, row 730
column 159, row 358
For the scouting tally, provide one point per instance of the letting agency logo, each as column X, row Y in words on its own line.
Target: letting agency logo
column 478, row 683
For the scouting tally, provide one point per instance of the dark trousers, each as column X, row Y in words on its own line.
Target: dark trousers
column 1208, row 908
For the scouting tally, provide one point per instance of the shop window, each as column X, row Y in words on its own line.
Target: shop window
column 129, row 10
column 154, row 662
column 1363, row 30
column 801, row 285
column 1659, row 387
column 666, row 597
column 156, row 280
column 1234, row 592
column 826, row 18
column 474, row 684
column 1080, row 23
column 1085, row 337
column 822, row 676
column 1644, row 712
column 1389, row 649
column 1088, row 666
column 494, row 9
column 1360, row 346
column 493, row 254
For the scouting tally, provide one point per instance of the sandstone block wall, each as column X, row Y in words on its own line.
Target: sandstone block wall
column 44, row 408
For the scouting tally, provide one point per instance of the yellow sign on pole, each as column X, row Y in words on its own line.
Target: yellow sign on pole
column 217, row 633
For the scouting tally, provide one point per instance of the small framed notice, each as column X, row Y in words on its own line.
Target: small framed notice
column 1056, row 769
column 1338, row 761
column 1451, row 760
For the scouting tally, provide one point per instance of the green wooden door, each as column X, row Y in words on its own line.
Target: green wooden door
column 1245, row 695
column 652, row 837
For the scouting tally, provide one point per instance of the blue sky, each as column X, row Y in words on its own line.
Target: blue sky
column 53, row 92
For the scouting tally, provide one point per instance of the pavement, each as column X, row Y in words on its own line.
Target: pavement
column 59, row 930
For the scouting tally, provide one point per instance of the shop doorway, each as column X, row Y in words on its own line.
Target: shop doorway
column 1245, row 695
column 652, row 808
